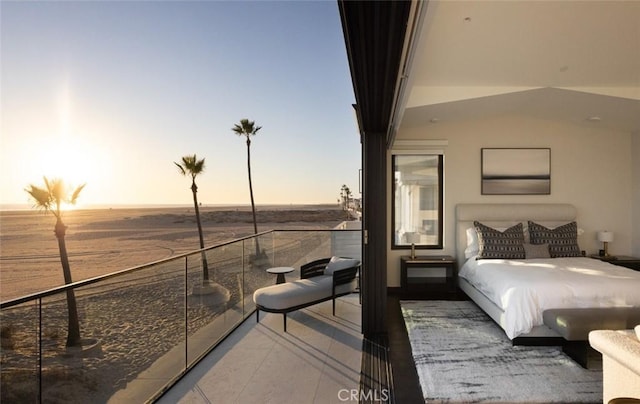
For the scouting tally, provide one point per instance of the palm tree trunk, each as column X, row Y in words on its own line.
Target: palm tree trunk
column 253, row 205
column 73, row 328
column 205, row 266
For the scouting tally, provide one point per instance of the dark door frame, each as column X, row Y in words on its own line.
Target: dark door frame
column 374, row 33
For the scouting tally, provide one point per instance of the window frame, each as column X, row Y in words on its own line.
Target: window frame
column 440, row 202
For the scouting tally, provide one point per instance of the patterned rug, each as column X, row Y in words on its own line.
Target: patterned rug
column 462, row 356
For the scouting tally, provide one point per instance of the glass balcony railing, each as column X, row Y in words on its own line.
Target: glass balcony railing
column 143, row 328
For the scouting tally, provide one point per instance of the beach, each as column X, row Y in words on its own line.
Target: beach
column 102, row 241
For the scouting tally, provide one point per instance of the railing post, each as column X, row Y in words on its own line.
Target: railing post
column 243, row 279
column 39, row 303
column 273, row 247
column 186, row 311
column 242, row 287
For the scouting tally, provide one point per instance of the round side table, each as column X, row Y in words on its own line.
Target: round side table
column 280, row 271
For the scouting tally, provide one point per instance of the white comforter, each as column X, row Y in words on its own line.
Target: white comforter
column 523, row 289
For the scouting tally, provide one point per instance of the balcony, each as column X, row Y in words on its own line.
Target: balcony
column 316, row 361
column 145, row 328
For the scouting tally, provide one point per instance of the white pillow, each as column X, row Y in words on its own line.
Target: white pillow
column 637, row 328
column 337, row 263
column 472, row 243
column 525, row 229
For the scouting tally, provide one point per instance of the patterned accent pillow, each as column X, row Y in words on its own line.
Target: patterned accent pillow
column 500, row 244
column 563, row 240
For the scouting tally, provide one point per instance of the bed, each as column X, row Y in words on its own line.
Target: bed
column 515, row 292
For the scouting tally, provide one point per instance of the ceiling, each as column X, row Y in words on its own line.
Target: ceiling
column 575, row 61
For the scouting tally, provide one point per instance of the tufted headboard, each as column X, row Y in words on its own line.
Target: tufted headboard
column 505, row 215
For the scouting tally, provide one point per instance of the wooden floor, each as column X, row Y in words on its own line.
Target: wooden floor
column 406, row 385
column 376, row 376
column 387, row 362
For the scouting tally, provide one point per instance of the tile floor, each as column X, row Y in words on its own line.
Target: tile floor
column 317, row 360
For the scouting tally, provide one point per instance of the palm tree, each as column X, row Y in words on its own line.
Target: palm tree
column 347, row 194
column 248, row 128
column 192, row 166
column 50, row 198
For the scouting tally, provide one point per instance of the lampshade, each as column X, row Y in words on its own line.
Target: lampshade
column 605, row 236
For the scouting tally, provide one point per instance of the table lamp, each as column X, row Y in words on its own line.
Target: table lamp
column 605, row 237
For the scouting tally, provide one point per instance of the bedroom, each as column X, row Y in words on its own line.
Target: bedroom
column 560, row 75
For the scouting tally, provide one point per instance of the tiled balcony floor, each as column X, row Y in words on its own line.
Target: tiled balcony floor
column 317, row 360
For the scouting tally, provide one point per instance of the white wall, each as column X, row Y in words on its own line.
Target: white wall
column 591, row 168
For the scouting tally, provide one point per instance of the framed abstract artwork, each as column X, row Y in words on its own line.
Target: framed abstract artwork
column 516, row 171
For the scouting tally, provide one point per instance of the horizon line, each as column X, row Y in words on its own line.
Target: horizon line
column 27, row 206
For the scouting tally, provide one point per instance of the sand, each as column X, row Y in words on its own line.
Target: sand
column 103, row 241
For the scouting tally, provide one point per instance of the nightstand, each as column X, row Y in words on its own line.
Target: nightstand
column 621, row 260
column 428, row 276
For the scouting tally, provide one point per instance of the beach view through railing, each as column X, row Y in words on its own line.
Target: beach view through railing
column 144, row 327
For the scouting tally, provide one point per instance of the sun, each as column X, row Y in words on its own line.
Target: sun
column 69, row 161
column 75, row 161
column 72, row 154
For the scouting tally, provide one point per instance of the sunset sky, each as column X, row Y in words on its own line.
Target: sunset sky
column 112, row 93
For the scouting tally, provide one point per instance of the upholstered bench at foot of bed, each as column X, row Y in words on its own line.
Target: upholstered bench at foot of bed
column 574, row 326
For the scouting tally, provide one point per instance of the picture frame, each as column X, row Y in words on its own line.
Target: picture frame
column 516, row 171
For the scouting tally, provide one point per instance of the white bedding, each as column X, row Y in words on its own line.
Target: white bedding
column 523, row 289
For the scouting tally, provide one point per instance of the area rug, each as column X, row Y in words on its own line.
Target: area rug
column 462, row 356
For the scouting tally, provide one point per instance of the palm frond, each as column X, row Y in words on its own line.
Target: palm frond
column 246, row 127
column 48, row 183
column 54, row 193
column 238, row 130
column 191, row 165
column 181, row 168
column 198, row 166
column 40, row 196
column 75, row 194
column 188, row 160
column 57, row 190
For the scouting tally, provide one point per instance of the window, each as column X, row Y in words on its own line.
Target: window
column 417, row 201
